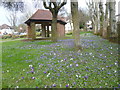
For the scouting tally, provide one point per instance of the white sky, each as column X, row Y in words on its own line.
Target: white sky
column 4, row 13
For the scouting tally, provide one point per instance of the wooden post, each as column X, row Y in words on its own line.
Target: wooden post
column 118, row 31
column 29, row 32
column 43, row 31
column 47, row 30
column 33, row 30
column 108, row 32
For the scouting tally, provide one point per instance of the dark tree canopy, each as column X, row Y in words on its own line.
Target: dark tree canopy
column 53, row 5
column 13, row 6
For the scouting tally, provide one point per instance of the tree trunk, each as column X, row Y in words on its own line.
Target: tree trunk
column 96, row 19
column 105, row 25
column 118, row 31
column 101, row 18
column 76, row 31
column 54, row 28
column 112, row 18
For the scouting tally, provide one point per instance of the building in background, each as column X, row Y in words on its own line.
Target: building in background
column 119, row 11
column 6, row 29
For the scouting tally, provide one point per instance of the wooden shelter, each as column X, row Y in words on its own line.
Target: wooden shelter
column 44, row 17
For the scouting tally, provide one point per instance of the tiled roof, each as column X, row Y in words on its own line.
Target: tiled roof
column 44, row 15
column 5, row 26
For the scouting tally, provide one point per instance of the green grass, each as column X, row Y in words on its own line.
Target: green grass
column 83, row 32
column 9, row 39
column 59, row 61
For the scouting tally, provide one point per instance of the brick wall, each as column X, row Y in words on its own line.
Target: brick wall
column 61, row 30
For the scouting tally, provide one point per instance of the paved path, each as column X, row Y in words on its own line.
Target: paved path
column 10, row 40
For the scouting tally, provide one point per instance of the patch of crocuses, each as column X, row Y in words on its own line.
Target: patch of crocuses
column 58, row 65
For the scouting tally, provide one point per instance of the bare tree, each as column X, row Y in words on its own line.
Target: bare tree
column 54, row 7
column 83, row 18
column 13, row 8
column 106, row 21
column 12, row 19
column 112, row 21
column 75, row 20
column 101, row 17
column 94, row 15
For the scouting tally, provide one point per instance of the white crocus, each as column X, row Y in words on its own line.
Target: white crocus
column 48, row 75
column 30, row 65
column 71, row 58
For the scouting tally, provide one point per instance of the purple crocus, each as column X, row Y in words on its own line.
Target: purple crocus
column 76, row 65
column 74, row 83
column 33, row 77
column 86, row 77
column 32, row 71
column 54, row 85
column 65, row 59
column 107, row 66
column 22, row 77
column 118, row 85
column 32, row 68
column 67, row 85
column 45, row 72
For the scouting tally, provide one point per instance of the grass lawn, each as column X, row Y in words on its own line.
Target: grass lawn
column 42, row 64
column 10, row 39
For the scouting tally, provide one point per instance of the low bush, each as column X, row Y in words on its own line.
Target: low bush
column 22, row 36
column 6, row 36
column 13, row 36
column 70, row 33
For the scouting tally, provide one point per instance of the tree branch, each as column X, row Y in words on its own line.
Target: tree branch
column 48, row 7
column 62, row 4
column 45, row 5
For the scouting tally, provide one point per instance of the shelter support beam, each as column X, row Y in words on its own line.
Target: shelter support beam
column 43, row 31
column 31, row 31
column 48, row 31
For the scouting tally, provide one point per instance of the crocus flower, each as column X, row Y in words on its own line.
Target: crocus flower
column 32, row 72
column 86, row 77
column 107, row 66
column 76, row 65
column 71, row 58
column 70, row 65
column 17, row 86
column 65, row 59
column 67, row 85
column 54, row 85
column 45, row 72
column 30, row 65
column 22, row 77
column 32, row 68
column 33, row 77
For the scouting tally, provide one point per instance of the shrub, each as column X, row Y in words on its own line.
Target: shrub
column 6, row 36
column 38, row 33
column 15, row 36
column 22, row 36
column 70, row 33
column 81, row 26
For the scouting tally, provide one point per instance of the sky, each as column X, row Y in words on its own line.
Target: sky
column 4, row 13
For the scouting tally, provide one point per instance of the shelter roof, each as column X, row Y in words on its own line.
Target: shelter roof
column 43, row 15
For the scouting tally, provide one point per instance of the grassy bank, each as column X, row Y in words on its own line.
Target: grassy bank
column 41, row 64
